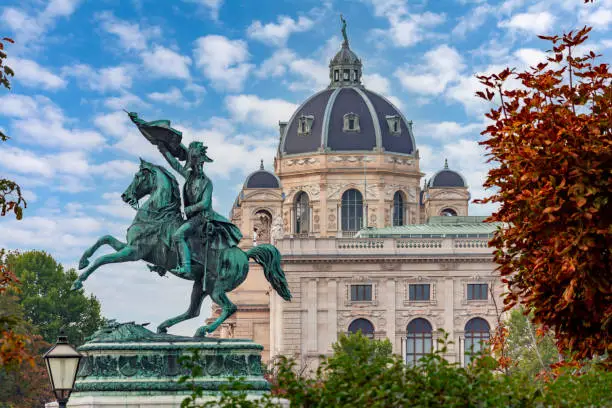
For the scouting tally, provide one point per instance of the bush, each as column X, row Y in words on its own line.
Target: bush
column 365, row 373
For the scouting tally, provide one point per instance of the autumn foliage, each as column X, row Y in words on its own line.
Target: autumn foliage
column 13, row 344
column 550, row 142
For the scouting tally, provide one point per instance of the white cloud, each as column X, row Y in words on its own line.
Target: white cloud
column 600, row 18
column 472, row 20
column 103, row 79
column 20, row 106
column 262, row 112
column 33, row 75
column 277, row 33
column 223, row 61
column 447, row 130
column 406, row 28
column 23, row 161
column 534, row 22
column 131, row 35
column 530, row 56
column 125, row 101
column 164, row 62
column 213, row 6
column 114, row 169
column 125, row 135
column 37, row 120
column 442, row 65
column 172, row 95
column 30, row 28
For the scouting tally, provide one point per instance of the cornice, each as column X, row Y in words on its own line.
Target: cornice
column 301, row 259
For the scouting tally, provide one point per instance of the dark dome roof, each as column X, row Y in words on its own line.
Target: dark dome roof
column 345, row 56
column 447, row 178
column 262, row 179
column 327, row 109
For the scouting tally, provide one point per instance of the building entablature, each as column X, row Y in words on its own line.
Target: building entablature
column 377, row 162
column 384, row 248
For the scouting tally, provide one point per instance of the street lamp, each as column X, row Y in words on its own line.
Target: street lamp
column 62, row 363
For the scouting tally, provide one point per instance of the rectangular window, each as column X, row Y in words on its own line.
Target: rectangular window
column 346, row 74
column 336, row 75
column 477, row 291
column 418, row 292
column 361, row 293
column 351, row 124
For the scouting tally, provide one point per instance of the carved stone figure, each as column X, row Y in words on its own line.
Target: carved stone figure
column 161, row 236
column 277, row 230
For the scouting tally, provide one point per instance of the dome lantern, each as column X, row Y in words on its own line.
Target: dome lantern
column 345, row 67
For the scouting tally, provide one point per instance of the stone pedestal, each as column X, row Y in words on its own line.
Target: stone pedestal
column 127, row 365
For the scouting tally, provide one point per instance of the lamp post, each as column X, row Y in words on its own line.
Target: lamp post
column 62, row 362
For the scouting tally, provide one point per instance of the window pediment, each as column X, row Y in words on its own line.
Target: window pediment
column 305, row 124
column 395, row 124
column 351, row 123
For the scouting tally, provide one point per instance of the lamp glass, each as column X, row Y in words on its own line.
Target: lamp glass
column 62, row 364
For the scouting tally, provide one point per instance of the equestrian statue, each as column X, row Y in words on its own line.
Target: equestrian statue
column 201, row 247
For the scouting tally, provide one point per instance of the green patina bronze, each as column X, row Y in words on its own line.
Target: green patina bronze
column 127, row 358
column 201, row 247
column 344, row 29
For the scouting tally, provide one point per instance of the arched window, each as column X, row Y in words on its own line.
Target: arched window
column 364, row 326
column 419, row 341
column 302, row 213
column 398, row 209
column 448, row 212
column 352, row 210
column 477, row 331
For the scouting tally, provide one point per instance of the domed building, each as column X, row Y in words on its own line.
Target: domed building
column 364, row 246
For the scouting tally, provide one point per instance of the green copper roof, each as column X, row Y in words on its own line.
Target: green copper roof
column 437, row 227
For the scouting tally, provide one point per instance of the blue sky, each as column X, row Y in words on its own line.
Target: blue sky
column 226, row 72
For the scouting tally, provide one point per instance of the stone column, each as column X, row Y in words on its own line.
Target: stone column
column 389, row 296
column 449, row 312
column 311, row 316
column 332, row 313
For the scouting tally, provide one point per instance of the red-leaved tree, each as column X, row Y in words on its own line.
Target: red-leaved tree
column 551, row 144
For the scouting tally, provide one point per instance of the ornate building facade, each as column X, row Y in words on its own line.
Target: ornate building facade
column 365, row 247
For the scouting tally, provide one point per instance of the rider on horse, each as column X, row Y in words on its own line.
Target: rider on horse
column 197, row 197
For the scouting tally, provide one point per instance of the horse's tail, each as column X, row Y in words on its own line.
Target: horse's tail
column 269, row 258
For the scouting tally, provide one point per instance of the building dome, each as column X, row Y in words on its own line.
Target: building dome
column 447, row 178
column 262, row 179
column 346, row 117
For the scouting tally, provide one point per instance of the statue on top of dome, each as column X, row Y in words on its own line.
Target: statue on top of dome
column 344, row 29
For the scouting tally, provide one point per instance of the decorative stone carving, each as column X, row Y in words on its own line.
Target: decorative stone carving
column 446, row 195
column 262, row 225
column 301, row 162
column 390, row 190
column 277, row 231
column 312, row 190
column 350, row 159
column 333, row 191
column 400, row 161
column 390, row 266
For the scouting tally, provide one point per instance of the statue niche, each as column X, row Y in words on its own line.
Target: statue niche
column 262, row 226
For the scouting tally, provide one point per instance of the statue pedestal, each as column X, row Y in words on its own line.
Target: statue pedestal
column 127, row 365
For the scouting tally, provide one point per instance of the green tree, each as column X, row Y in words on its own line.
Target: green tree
column 529, row 352
column 47, row 300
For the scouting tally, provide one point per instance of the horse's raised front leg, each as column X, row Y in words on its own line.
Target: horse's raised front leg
column 197, row 296
column 104, row 240
column 227, row 309
column 127, row 254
